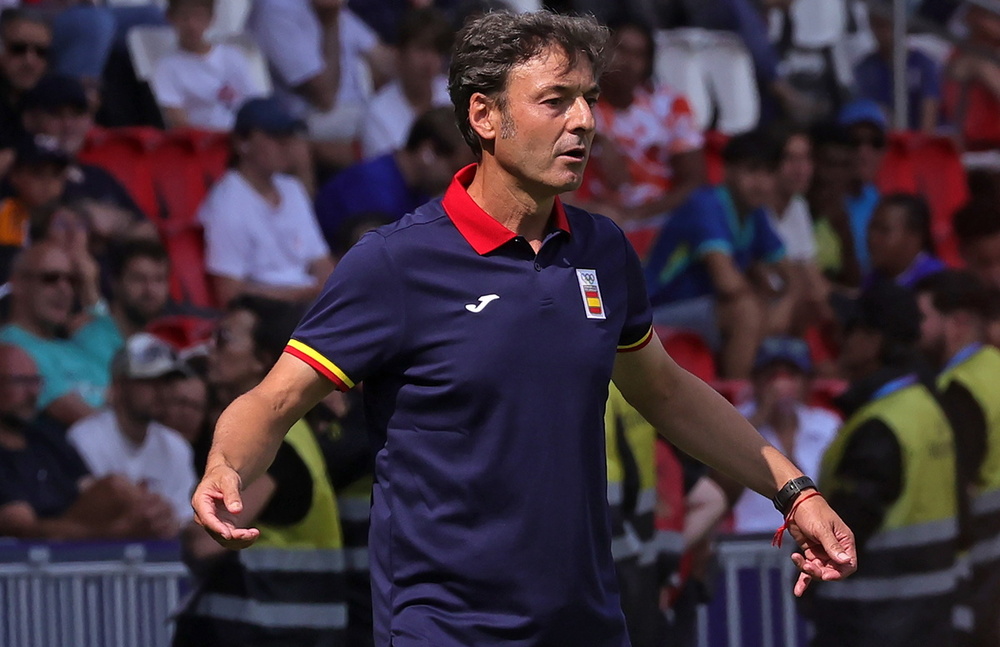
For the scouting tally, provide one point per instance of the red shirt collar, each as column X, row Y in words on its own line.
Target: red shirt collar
column 481, row 229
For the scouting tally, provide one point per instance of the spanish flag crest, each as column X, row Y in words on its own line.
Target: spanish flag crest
column 591, row 291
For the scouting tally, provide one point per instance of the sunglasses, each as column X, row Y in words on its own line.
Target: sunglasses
column 54, row 277
column 20, row 48
column 875, row 141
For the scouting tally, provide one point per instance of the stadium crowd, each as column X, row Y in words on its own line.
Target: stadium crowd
column 178, row 180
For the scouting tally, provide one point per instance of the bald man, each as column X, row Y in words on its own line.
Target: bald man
column 72, row 354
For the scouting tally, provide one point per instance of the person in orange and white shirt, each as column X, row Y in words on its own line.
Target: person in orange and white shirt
column 647, row 155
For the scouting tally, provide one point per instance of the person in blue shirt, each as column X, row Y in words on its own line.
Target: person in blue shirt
column 867, row 130
column 487, row 326
column 396, row 183
column 900, row 243
column 718, row 267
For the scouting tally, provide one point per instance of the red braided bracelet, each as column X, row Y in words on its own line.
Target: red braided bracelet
column 780, row 532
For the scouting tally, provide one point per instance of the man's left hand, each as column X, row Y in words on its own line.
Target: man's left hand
column 828, row 546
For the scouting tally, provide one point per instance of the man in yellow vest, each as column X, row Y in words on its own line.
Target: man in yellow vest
column 955, row 307
column 890, row 473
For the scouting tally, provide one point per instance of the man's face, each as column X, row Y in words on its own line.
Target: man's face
column 141, row 399
column 37, row 185
column 891, row 244
column 859, row 351
column 231, row 358
column 869, row 141
column 835, row 167
column 67, row 125
column 25, row 52
column 796, row 168
column 932, row 326
column 190, row 23
column 752, row 184
column 144, row 288
column 43, row 289
column 268, row 153
column 543, row 134
column 629, row 66
column 983, row 258
column 20, row 384
column 185, row 402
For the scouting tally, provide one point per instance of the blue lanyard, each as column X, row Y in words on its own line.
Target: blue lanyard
column 895, row 385
column 963, row 355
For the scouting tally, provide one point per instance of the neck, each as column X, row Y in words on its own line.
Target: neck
column 125, row 323
column 261, row 181
column 131, row 428
column 11, row 435
column 32, row 325
column 513, row 206
column 198, row 47
column 956, row 342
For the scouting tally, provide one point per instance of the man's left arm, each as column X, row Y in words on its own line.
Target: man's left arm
column 699, row 421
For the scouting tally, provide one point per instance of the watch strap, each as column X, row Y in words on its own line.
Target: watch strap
column 790, row 491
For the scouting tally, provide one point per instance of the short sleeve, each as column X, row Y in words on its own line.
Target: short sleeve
column 356, row 325
column 638, row 328
column 166, row 84
column 227, row 240
column 768, row 247
column 709, row 231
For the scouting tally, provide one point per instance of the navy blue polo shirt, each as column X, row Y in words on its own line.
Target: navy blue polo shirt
column 486, row 368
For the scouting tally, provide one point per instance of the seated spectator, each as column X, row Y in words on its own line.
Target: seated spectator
column 37, row 179
column 977, row 227
column 185, row 406
column 867, row 129
column 261, row 235
column 424, row 42
column 45, row 489
column 72, row 354
column 972, row 78
column 899, row 241
column 647, row 156
column 201, row 85
column 717, row 261
column 779, row 411
column 140, row 286
column 833, row 157
column 396, row 183
column 126, row 437
column 874, row 79
column 24, row 59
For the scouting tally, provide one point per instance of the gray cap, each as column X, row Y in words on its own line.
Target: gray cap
column 146, row 357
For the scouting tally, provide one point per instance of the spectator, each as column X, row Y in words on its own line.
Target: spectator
column 396, row 183
column 45, row 490
column 201, row 85
column 972, row 81
column 126, row 437
column 780, row 412
column 73, row 356
column 647, row 157
column 37, row 179
column 24, row 58
column 977, row 227
column 899, row 241
column 873, row 76
column 708, row 270
column 828, row 195
column 425, row 38
column 866, row 127
column 261, row 235
column 140, row 286
column 243, row 597
column 185, row 407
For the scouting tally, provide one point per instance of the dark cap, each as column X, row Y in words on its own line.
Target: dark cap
column 35, row 150
column 146, row 357
column 886, row 308
column 787, row 350
column 268, row 115
column 863, row 111
column 56, row 91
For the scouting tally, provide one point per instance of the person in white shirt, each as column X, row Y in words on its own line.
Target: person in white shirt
column 261, row 235
column 125, row 438
column 425, row 38
column 779, row 411
column 201, row 84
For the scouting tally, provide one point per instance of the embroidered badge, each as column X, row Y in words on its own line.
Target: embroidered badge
column 591, row 291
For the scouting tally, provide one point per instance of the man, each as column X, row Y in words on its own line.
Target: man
column 971, row 90
column 709, row 270
column 977, row 227
column 36, row 180
column 489, row 511
column 396, row 183
column 140, row 285
column 24, row 58
column 126, row 438
column 956, row 309
column 46, row 491
column 73, row 356
column 891, row 472
column 867, row 128
column 832, row 186
column 899, row 241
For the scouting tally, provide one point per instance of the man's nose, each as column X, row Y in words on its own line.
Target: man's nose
column 581, row 116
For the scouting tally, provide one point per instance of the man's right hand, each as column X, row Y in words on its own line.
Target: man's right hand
column 217, row 506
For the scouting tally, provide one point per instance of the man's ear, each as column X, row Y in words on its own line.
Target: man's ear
column 484, row 116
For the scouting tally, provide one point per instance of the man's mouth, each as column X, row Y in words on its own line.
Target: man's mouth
column 579, row 153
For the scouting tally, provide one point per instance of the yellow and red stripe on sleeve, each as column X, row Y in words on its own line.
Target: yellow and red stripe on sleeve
column 323, row 366
column 629, row 348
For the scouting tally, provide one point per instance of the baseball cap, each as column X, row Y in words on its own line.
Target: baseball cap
column 266, row 114
column 885, row 307
column 55, row 91
column 863, row 111
column 789, row 350
column 146, row 356
column 39, row 149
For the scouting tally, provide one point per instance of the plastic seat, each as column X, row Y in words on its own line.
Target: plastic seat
column 147, row 44
column 715, row 142
column 126, row 154
column 689, row 350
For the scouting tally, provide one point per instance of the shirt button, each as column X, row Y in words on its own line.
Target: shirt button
column 538, row 266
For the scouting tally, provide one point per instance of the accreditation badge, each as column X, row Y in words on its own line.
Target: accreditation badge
column 591, row 291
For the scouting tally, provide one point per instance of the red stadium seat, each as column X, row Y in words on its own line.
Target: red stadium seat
column 688, row 349
column 642, row 238
column 714, row 168
column 125, row 153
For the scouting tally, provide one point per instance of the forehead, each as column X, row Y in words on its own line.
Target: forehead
column 50, row 258
column 26, row 29
column 551, row 67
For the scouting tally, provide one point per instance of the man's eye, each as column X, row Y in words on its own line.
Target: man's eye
column 553, row 102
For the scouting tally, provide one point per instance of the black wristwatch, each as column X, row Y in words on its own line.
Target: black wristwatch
column 786, row 496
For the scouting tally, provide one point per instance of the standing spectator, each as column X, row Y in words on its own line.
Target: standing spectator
column 45, row 489
column 201, row 85
column 24, row 58
column 261, row 235
column 707, row 270
column 72, row 354
column 126, row 438
column 778, row 410
column 37, row 179
column 977, row 227
column 899, row 241
column 890, row 471
column 972, row 82
column 396, row 183
column 873, row 76
column 647, row 155
column 425, row 38
column 867, row 129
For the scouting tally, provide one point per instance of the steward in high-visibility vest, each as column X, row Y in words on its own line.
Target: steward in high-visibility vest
column 645, row 556
column 285, row 589
column 904, row 519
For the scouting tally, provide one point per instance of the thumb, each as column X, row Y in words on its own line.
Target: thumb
column 834, row 547
column 231, row 494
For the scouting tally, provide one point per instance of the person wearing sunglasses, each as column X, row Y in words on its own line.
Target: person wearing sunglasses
column 24, row 51
column 867, row 130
